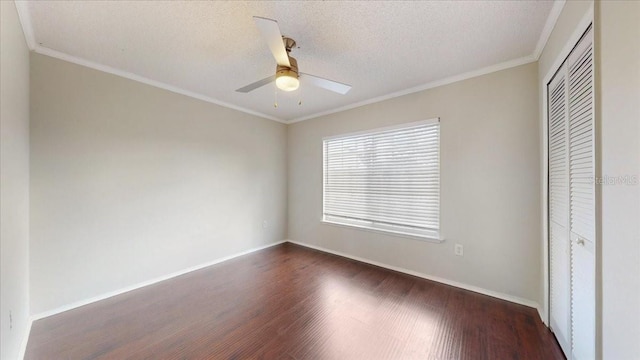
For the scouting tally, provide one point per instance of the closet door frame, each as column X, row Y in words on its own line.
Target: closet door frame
column 572, row 41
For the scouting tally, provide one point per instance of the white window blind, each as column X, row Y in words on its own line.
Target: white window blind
column 385, row 179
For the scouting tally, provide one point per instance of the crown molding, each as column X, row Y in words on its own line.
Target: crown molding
column 549, row 25
column 25, row 22
column 429, row 85
column 552, row 19
column 131, row 76
column 27, row 28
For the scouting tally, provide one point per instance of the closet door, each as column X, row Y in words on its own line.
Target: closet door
column 559, row 242
column 572, row 202
column 582, row 198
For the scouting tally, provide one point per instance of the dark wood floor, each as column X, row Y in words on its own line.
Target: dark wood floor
column 289, row 302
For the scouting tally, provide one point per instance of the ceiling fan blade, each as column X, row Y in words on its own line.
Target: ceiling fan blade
column 257, row 84
column 271, row 32
column 331, row 85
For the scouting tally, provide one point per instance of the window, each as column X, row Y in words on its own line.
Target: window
column 385, row 179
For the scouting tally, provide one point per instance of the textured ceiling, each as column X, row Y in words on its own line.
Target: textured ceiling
column 212, row 48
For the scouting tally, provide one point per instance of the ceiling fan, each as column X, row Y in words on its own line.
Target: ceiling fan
column 287, row 75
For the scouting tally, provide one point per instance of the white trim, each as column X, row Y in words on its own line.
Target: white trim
column 131, row 76
column 427, row 86
column 552, row 19
column 25, row 339
column 80, row 303
column 25, row 21
column 570, row 44
column 545, row 206
column 27, row 29
column 543, row 315
column 580, row 29
column 436, row 238
column 495, row 294
column 549, row 25
column 435, row 120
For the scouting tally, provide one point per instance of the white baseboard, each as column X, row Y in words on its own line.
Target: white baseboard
column 77, row 304
column 80, row 303
column 543, row 316
column 495, row 294
column 25, row 340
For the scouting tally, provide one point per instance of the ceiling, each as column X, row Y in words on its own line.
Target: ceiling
column 209, row 49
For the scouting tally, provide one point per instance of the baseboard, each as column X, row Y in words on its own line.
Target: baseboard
column 476, row 289
column 543, row 316
column 25, row 340
column 495, row 294
column 80, row 303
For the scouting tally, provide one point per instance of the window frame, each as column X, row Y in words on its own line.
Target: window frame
column 434, row 236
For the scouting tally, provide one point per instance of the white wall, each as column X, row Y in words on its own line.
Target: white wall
column 130, row 182
column 490, row 175
column 14, row 182
column 618, row 95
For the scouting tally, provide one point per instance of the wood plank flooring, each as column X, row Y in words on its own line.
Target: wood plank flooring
column 290, row 302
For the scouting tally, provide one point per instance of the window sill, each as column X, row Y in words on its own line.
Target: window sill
column 431, row 239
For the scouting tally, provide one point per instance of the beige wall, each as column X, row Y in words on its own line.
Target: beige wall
column 130, row 183
column 14, row 183
column 618, row 101
column 490, row 155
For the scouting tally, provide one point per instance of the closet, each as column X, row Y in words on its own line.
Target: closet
column 571, row 199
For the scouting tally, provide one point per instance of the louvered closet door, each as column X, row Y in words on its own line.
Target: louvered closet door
column 559, row 245
column 572, row 202
column 582, row 198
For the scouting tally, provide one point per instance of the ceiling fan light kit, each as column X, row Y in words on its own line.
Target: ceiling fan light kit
column 287, row 80
column 287, row 76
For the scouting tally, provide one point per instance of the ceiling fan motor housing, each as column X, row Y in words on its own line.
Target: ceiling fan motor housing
column 291, row 71
column 289, row 43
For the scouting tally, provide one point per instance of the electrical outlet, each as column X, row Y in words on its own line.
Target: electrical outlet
column 265, row 224
column 10, row 320
column 458, row 249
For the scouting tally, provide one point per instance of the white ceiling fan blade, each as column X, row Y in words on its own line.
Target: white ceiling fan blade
column 257, row 84
column 331, row 85
column 271, row 32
